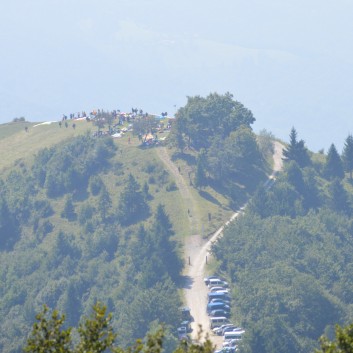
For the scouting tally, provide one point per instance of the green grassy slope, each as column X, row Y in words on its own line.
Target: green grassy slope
column 18, row 145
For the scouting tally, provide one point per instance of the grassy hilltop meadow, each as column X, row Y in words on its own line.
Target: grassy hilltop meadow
column 86, row 217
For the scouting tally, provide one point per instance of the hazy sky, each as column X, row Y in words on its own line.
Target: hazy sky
column 290, row 62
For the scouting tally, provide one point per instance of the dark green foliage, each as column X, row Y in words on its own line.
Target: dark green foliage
column 312, row 197
column 85, row 213
column 144, row 125
column 338, row 200
column 146, row 191
column 260, row 203
column 69, row 167
column 43, row 208
column 132, row 204
column 295, row 177
column 104, row 204
column 39, row 170
column 155, row 304
column 70, row 265
column 100, row 120
column 176, row 136
column 291, row 277
column 343, row 342
column 203, row 118
column 200, row 175
column 347, row 155
column 69, row 209
column 333, row 167
column 97, row 335
column 95, row 184
column 217, row 129
column 9, row 231
column 45, row 228
column 236, row 155
column 296, row 150
column 294, row 193
column 161, row 233
column 48, row 334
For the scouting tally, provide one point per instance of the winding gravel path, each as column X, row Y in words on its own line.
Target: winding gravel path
column 196, row 249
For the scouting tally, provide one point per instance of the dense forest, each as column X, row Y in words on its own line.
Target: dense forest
column 66, row 242
column 290, row 254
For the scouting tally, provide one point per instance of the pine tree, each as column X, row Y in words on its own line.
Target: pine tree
column 132, row 205
column 105, row 203
column 339, row 198
column 347, row 155
column 333, row 167
column 69, row 209
column 289, row 152
column 295, row 177
column 296, row 150
column 161, row 232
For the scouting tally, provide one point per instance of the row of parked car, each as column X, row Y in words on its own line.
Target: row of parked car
column 185, row 325
column 218, row 308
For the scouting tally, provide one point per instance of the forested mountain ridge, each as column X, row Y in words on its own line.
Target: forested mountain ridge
column 86, row 218
column 290, row 255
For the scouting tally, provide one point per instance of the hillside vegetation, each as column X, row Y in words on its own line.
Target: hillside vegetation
column 289, row 256
column 86, row 218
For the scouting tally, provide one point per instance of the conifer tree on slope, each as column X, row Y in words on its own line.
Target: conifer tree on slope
column 132, row 204
column 296, row 150
column 347, row 155
column 333, row 167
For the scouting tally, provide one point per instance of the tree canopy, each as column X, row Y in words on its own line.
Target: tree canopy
column 203, row 118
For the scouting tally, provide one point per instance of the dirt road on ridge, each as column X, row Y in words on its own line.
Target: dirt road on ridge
column 197, row 249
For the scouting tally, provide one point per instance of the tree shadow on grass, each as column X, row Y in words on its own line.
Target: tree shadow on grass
column 185, row 282
column 188, row 158
column 80, row 194
column 209, row 197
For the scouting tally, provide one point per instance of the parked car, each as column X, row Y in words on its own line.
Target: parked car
column 231, row 343
column 187, row 325
column 216, row 306
column 226, row 350
column 220, row 300
column 218, row 289
column 220, row 312
column 217, row 282
column 233, row 335
column 182, row 334
column 219, row 330
column 186, row 314
column 207, row 279
column 231, row 329
column 218, row 321
column 218, row 295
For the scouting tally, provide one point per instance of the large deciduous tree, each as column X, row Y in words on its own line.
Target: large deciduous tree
column 237, row 154
column 203, row 118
